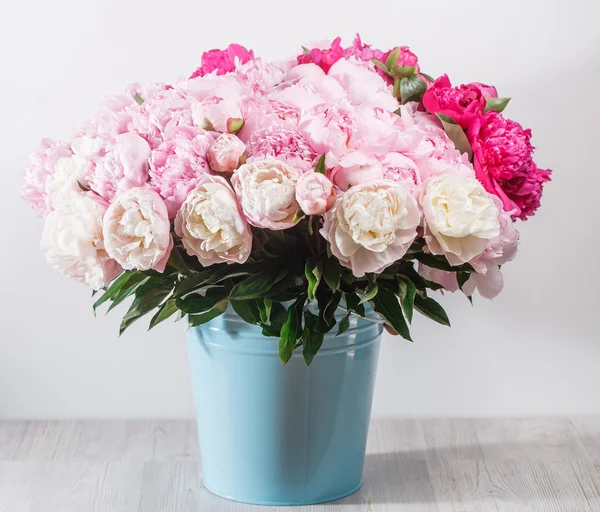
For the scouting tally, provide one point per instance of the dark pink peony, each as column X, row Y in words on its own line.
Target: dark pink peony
column 406, row 58
column 223, row 61
column 503, row 160
column 323, row 58
column 463, row 104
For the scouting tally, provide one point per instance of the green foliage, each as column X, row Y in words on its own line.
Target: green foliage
column 497, row 104
column 386, row 304
column 320, row 168
column 311, row 339
column 412, row 88
column 431, row 309
column 291, row 330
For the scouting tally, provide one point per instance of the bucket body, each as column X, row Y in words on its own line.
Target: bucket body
column 282, row 435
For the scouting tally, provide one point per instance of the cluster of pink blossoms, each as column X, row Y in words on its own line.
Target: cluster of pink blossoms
column 243, row 143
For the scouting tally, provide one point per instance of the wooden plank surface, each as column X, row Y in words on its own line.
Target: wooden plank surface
column 461, row 465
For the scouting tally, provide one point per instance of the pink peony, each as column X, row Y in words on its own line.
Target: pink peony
column 323, row 58
column 406, row 58
column 176, row 165
column 226, row 153
column 328, row 127
column 356, row 168
column 315, row 193
column 503, row 163
column 39, row 173
column 124, row 166
column 218, row 114
column 488, row 91
column 223, row 61
column 362, row 51
column 401, row 169
column 304, row 70
column 463, row 104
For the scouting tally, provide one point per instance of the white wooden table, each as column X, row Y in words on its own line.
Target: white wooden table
column 416, row 465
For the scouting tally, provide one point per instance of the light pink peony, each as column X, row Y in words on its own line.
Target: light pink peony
column 304, row 70
column 136, row 230
column 363, row 85
column 217, row 114
column 329, row 127
column 223, row 61
column 211, row 224
column 124, row 166
column 353, row 169
column 503, row 158
column 266, row 190
column 324, row 58
column 226, row 153
column 401, row 169
column 259, row 77
column 362, row 51
column 463, row 104
column 176, row 165
column 39, row 173
column 378, row 131
column 315, row 193
column 371, row 226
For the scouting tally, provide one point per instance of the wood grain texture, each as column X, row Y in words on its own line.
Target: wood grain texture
column 411, row 465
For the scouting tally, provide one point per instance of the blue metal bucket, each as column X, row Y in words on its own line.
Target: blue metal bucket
column 275, row 435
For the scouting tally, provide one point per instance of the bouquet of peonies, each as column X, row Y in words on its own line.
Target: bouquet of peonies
column 342, row 177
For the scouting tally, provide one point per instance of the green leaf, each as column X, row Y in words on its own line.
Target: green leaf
column 497, row 104
column 147, row 297
column 392, row 58
column 380, row 65
column 457, row 135
column 371, row 291
column 431, row 309
column 313, row 272
column 278, row 318
column 333, row 274
column 264, row 306
column 344, row 323
column 247, row 310
column 408, row 290
column 446, row 119
column 194, row 303
column 114, row 288
column 441, row 263
column 386, row 304
column 320, row 168
column 353, row 303
column 83, row 187
column 328, row 304
column 291, row 330
column 177, row 262
column 217, row 310
column 412, row 88
column 403, row 71
column 299, row 215
column 255, row 286
column 133, row 283
column 428, row 77
column 311, row 339
column 165, row 311
column 138, row 99
column 305, row 50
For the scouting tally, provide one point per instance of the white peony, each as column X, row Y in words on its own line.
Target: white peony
column 211, row 225
column 461, row 218
column 371, row 226
column 266, row 190
column 137, row 230
column 72, row 242
column 64, row 186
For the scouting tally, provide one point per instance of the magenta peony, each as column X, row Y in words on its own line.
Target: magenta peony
column 504, row 165
column 463, row 104
column 223, row 61
column 324, row 58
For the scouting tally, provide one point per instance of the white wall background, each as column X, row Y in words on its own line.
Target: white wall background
column 535, row 350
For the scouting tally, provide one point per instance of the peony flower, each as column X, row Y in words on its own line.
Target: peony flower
column 401, row 169
column 488, row 91
column 315, row 193
column 362, row 51
column 226, row 153
column 259, row 77
column 378, row 131
column 217, row 114
column 223, row 61
column 39, row 174
column 328, row 128
column 136, row 230
column 125, row 166
column 304, row 70
column 309, row 92
column 70, row 175
column 502, row 154
column 73, row 243
column 266, row 190
column 371, row 226
column 324, row 58
column 284, row 144
column 463, row 104
column 406, row 58
column 461, row 218
column 176, row 165
column 363, row 85
column 354, row 169
column 211, row 225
